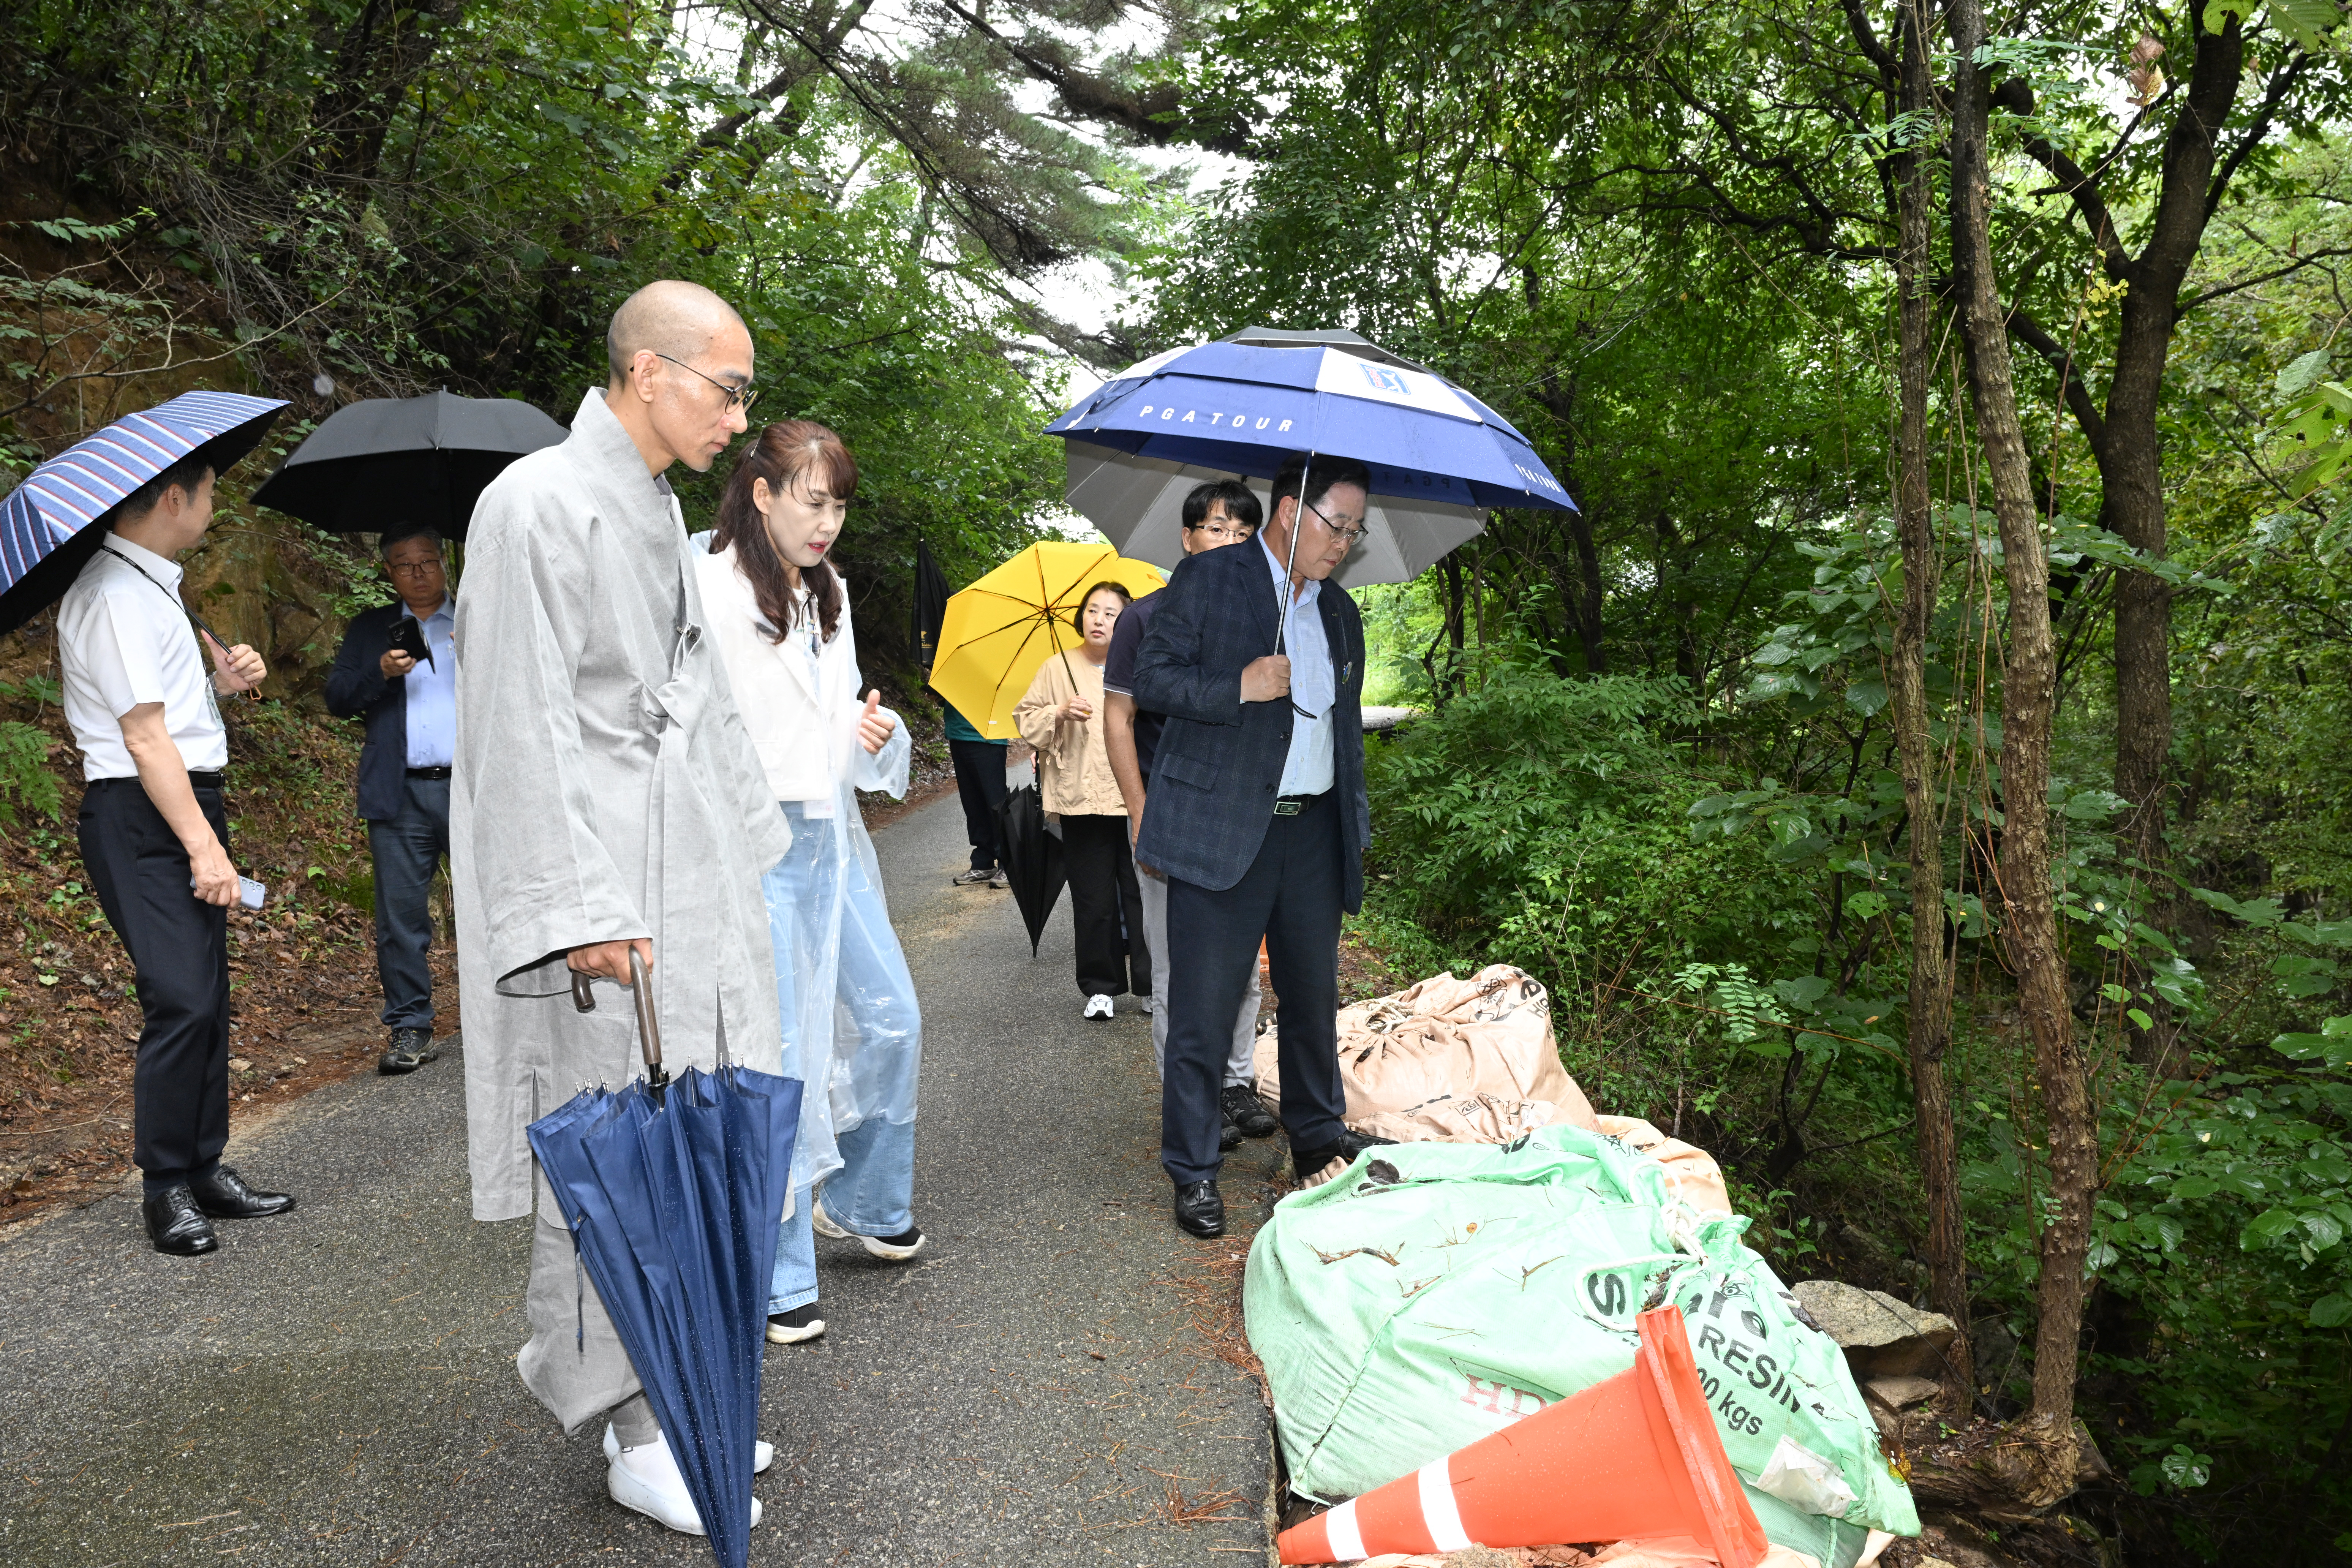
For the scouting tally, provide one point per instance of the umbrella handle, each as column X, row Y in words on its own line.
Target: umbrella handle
column 648, row 1026
column 584, row 997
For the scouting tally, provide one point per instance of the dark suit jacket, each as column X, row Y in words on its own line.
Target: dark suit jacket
column 358, row 687
column 1212, row 784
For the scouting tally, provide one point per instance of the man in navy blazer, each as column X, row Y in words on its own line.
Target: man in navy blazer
column 410, row 707
column 1255, row 810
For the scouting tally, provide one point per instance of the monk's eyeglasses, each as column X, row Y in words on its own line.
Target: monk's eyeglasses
column 740, row 397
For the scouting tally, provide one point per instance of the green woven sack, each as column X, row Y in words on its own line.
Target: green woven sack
column 1437, row 1292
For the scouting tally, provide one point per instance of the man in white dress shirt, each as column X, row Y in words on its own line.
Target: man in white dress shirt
column 155, row 839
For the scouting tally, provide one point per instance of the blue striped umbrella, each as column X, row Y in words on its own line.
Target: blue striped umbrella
column 51, row 524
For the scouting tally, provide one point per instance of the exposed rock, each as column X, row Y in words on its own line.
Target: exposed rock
column 1901, row 1392
column 1880, row 1335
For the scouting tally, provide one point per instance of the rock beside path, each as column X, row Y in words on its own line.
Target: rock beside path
column 1881, row 1337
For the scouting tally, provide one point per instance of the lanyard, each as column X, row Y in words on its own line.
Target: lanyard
column 182, row 605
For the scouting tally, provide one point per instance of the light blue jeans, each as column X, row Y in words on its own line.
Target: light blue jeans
column 873, row 1193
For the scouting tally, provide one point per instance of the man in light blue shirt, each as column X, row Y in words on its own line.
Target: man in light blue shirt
column 1314, row 684
column 1257, row 811
column 410, row 706
column 433, row 687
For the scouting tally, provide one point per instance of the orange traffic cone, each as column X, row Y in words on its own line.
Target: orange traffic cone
column 1636, row 1455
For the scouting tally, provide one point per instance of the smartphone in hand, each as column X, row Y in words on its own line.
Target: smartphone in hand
column 409, row 638
column 249, row 892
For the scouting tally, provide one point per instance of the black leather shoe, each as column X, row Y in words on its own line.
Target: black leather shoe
column 176, row 1225
column 1200, row 1210
column 409, row 1049
column 1311, row 1163
column 223, row 1195
column 1245, row 1110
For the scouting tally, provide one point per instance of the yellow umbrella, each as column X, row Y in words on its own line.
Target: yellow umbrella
column 1001, row 629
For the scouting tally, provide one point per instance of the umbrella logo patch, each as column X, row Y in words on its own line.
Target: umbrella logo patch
column 1192, row 415
column 1349, row 376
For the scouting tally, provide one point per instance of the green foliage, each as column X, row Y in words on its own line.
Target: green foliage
column 26, row 782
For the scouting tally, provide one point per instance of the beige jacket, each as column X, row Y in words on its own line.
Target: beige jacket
column 1072, row 761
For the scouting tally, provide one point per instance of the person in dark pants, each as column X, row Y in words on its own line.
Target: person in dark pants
column 979, row 781
column 155, row 839
column 1257, row 815
column 1216, row 514
column 410, row 706
column 1062, row 717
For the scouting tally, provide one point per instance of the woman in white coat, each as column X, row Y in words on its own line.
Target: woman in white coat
column 781, row 621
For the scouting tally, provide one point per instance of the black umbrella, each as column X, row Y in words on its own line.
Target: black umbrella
column 931, row 593
column 1033, row 858
column 417, row 460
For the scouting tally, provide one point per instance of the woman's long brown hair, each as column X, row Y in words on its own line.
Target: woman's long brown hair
column 780, row 454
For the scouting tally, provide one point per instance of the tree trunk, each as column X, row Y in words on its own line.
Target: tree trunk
column 2130, row 459
column 1928, row 1014
column 1581, row 596
column 1584, row 593
column 2044, row 1465
column 385, row 47
column 1449, row 567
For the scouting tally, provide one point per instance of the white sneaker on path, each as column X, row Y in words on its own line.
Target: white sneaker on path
column 890, row 1248
column 763, row 1453
column 646, row 1480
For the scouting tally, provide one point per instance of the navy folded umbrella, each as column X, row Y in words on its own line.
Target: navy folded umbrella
column 673, row 1191
column 53, row 523
column 1440, row 458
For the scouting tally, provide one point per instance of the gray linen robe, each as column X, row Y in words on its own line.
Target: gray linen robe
column 604, row 788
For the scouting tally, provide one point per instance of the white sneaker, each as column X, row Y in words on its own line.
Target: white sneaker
column 763, row 1453
column 647, row 1479
column 1099, row 1006
column 890, row 1248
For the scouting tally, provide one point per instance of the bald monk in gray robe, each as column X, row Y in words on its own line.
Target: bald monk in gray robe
column 605, row 796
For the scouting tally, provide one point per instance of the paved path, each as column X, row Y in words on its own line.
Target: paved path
column 338, row 1386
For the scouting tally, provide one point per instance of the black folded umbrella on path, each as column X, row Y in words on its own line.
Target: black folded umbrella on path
column 930, row 608
column 1033, row 858
column 420, row 461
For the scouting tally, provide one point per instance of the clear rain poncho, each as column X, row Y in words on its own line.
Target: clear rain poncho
column 852, row 1028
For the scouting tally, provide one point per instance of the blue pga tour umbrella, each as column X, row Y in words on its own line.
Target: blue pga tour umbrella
column 673, row 1191
column 53, row 523
column 1440, row 458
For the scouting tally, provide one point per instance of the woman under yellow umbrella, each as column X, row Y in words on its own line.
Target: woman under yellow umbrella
column 1001, row 629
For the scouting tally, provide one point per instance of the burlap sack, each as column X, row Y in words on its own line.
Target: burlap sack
column 1450, row 1061
column 1692, row 1174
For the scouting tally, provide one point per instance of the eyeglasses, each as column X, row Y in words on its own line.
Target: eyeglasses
column 740, row 397
column 1350, row 534
column 1221, row 532
column 412, row 568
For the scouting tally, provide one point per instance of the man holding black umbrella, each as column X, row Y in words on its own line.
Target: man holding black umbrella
column 1257, row 815
column 410, row 705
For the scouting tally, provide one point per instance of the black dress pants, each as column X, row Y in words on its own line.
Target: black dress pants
column 179, row 951
column 979, row 781
column 1290, row 898
column 1106, row 909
